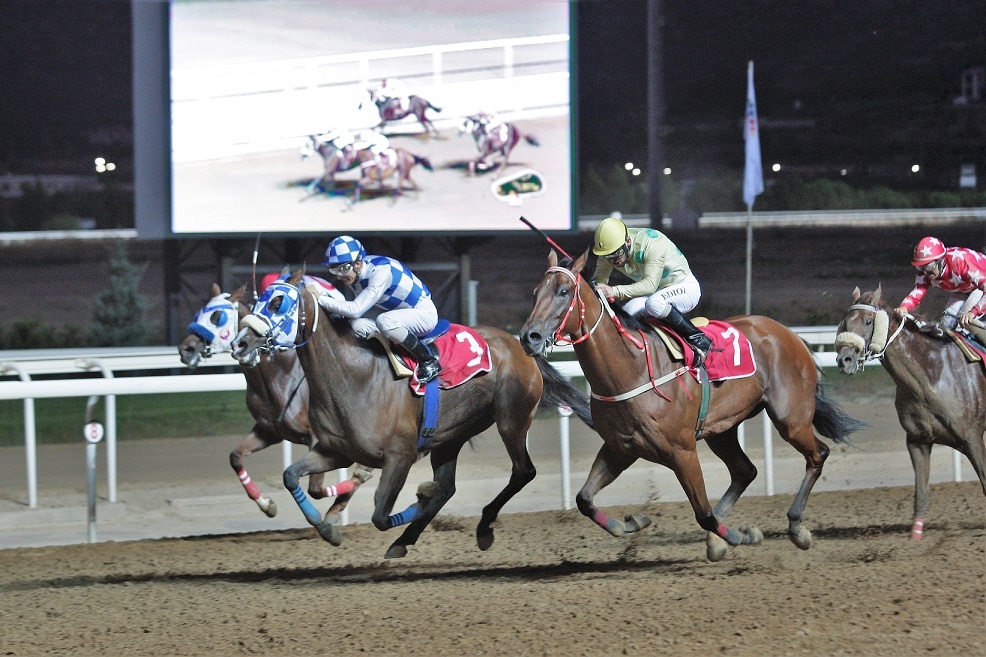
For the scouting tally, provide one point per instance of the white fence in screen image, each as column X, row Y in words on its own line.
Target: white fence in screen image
column 27, row 364
column 225, row 110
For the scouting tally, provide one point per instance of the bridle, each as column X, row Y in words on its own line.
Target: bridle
column 641, row 344
column 270, row 328
column 879, row 340
column 213, row 339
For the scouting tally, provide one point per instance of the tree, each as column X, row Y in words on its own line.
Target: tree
column 119, row 314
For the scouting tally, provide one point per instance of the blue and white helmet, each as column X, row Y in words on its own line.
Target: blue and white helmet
column 343, row 249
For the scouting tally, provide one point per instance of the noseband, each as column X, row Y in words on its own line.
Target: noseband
column 879, row 341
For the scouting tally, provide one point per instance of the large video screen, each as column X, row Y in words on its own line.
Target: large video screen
column 295, row 116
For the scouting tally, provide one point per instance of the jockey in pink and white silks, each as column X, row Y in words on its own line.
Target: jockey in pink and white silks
column 396, row 88
column 959, row 271
column 389, row 299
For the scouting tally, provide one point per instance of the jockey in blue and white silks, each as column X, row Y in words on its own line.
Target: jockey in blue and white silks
column 389, row 299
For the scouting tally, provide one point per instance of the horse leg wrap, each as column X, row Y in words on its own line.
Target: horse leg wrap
column 729, row 534
column 307, row 508
column 341, row 488
column 410, row 514
column 248, row 485
column 611, row 525
column 917, row 531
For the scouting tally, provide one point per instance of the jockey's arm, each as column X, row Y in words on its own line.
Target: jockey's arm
column 913, row 299
column 646, row 286
column 966, row 313
column 365, row 300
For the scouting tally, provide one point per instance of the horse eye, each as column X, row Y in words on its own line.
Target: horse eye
column 216, row 318
column 563, row 291
column 868, row 321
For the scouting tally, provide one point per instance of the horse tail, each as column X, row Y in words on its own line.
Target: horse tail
column 831, row 421
column 559, row 391
column 423, row 161
column 434, row 107
column 532, row 140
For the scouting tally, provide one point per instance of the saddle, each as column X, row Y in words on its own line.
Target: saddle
column 971, row 345
column 670, row 338
column 401, row 369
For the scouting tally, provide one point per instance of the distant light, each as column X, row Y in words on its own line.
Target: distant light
column 667, row 171
column 100, row 161
column 915, row 168
column 843, row 172
column 636, row 172
column 100, row 168
column 628, row 166
column 110, row 166
column 776, row 167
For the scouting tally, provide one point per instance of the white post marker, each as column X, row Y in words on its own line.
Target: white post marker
column 93, row 432
column 566, row 479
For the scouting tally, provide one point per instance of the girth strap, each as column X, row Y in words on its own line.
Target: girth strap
column 429, row 414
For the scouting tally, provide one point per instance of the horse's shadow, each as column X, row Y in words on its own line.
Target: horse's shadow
column 463, row 165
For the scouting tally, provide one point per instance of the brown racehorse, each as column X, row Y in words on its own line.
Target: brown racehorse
column 662, row 424
column 390, row 110
column 277, row 397
column 941, row 397
column 394, row 162
column 490, row 142
column 361, row 412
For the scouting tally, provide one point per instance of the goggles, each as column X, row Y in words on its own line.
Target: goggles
column 341, row 270
column 621, row 253
column 931, row 268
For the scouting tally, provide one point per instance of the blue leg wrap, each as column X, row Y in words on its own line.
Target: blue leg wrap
column 410, row 514
column 311, row 513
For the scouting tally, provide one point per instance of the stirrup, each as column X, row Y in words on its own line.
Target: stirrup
column 428, row 370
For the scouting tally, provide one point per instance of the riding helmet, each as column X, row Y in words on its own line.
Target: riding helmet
column 928, row 250
column 611, row 234
column 343, row 249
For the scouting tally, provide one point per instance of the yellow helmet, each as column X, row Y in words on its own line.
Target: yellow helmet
column 611, row 234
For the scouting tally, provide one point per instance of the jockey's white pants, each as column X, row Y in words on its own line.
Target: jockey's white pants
column 684, row 296
column 396, row 324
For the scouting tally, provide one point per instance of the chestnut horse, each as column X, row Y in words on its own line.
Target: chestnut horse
column 276, row 396
column 941, row 396
column 392, row 163
column 361, row 412
column 492, row 141
column 390, row 110
column 662, row 424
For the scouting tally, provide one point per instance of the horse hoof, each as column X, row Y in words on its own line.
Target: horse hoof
column 363, row 474
column 396, row 552
column 268, row 506
column 715, row 547
column 426, row 491
column 636, row 522
column 484, row 539
column 756, row 536
column 801, row 538
column 330, row 533
column 332, row 518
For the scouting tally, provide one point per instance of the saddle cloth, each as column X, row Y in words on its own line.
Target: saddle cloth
column 462, row 352
column 731, row 356
column 971, row 349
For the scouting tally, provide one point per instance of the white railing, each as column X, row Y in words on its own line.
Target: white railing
column 24, row 365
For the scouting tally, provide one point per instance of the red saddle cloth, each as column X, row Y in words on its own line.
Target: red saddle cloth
column 731, row 356
column 463, row 354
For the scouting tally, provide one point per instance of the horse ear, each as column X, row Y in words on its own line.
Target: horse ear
column 855, row 294
column 875, row 299
column 296, row 276
column 580, row 262
column 552, row 259
column 215, row 291
column 238, row 293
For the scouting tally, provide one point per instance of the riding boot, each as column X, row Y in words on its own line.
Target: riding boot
column 428, row 365
column 700, row 343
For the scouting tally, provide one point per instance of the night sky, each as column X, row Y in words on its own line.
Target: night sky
column 65, row 64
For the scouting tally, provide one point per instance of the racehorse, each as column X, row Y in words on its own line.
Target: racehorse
column 390, row 110
column 645, row 405
column 360, row 411
column 277, row 397
column 491, row 140
column 941, row 396
column 374, row 169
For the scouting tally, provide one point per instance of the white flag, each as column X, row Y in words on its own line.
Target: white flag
column 753, row 174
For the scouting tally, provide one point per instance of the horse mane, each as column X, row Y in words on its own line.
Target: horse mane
column 632, row 323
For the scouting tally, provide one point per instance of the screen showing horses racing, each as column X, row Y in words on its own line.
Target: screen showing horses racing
column 374, row 115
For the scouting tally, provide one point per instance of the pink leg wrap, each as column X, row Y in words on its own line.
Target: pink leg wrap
column 917, row 531
column 248, row 485
column 340, row 489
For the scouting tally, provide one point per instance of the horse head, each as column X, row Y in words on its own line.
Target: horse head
column 559, row 305
column 212, row 330
column 863, row 332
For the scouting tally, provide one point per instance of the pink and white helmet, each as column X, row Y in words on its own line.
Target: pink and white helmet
column 928, row 250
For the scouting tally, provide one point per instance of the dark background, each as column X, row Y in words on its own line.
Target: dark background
column 866, row 83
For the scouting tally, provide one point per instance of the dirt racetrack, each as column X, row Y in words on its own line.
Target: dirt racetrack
column 552, row 584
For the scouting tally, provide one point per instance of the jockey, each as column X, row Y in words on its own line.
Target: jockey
column 396, row 88
column 493, row 127
column 373, row 141
column 663, row 287
column 389, row 299
column 959, row 271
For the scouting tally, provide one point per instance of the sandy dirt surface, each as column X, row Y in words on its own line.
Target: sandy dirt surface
column 552, row 584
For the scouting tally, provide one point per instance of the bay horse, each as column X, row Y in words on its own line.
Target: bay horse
column 941, row 396
column 662, row 424
column 361, row 412
column 390, row 110
column 276, row 397
column 493, row 140
column 394, row 162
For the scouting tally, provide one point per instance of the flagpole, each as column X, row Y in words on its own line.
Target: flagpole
column 752, row 177
column 749, row 258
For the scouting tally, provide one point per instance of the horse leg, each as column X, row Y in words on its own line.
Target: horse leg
column 255, row 441
column 343, row 493
column 310, row 463
column 742, row 472
column 609, row 464
column 393, row 475
column 921, row 460
column 513, row 428
column 796, row 429
column 432, row 496
column 688, row 470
